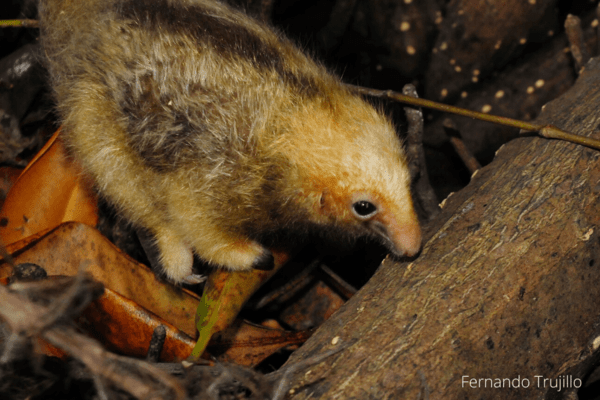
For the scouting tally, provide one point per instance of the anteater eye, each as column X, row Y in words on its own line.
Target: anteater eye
column 364, row 209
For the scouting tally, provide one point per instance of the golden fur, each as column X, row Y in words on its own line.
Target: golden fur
column 216, row 134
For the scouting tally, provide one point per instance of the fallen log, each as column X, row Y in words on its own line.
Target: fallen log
column 503, row 301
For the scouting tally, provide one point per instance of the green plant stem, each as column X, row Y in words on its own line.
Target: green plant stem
column 18, row 23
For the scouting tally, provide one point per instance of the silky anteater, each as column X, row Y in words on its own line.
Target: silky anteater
column 215, row 133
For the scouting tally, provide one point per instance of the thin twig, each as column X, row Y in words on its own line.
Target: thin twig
column 547, row 131
column 26, row 319
column 113, row 367
column 459, row 146
column 576, row 43
column 425, row 194
column 285, row 291
column 334, row 280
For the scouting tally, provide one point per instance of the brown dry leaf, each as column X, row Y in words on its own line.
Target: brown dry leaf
column 50, row 190
column 125, row 324
column 8, row 177
column 62, row 250
column 248, row 344
column 121, row 325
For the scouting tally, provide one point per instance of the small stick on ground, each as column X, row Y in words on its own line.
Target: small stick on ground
column 459, row 146
column 335, row 281
column 576, row 42
column 416, row 155
column 156, row 344
column 28, row 320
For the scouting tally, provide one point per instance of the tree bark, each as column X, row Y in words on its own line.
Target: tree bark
column 506, row 287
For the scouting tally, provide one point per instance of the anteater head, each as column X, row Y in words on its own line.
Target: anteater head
column 352, row 172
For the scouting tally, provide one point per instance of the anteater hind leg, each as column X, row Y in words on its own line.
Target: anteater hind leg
column 231, row 251
column 168, row 254
column 150, row 246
